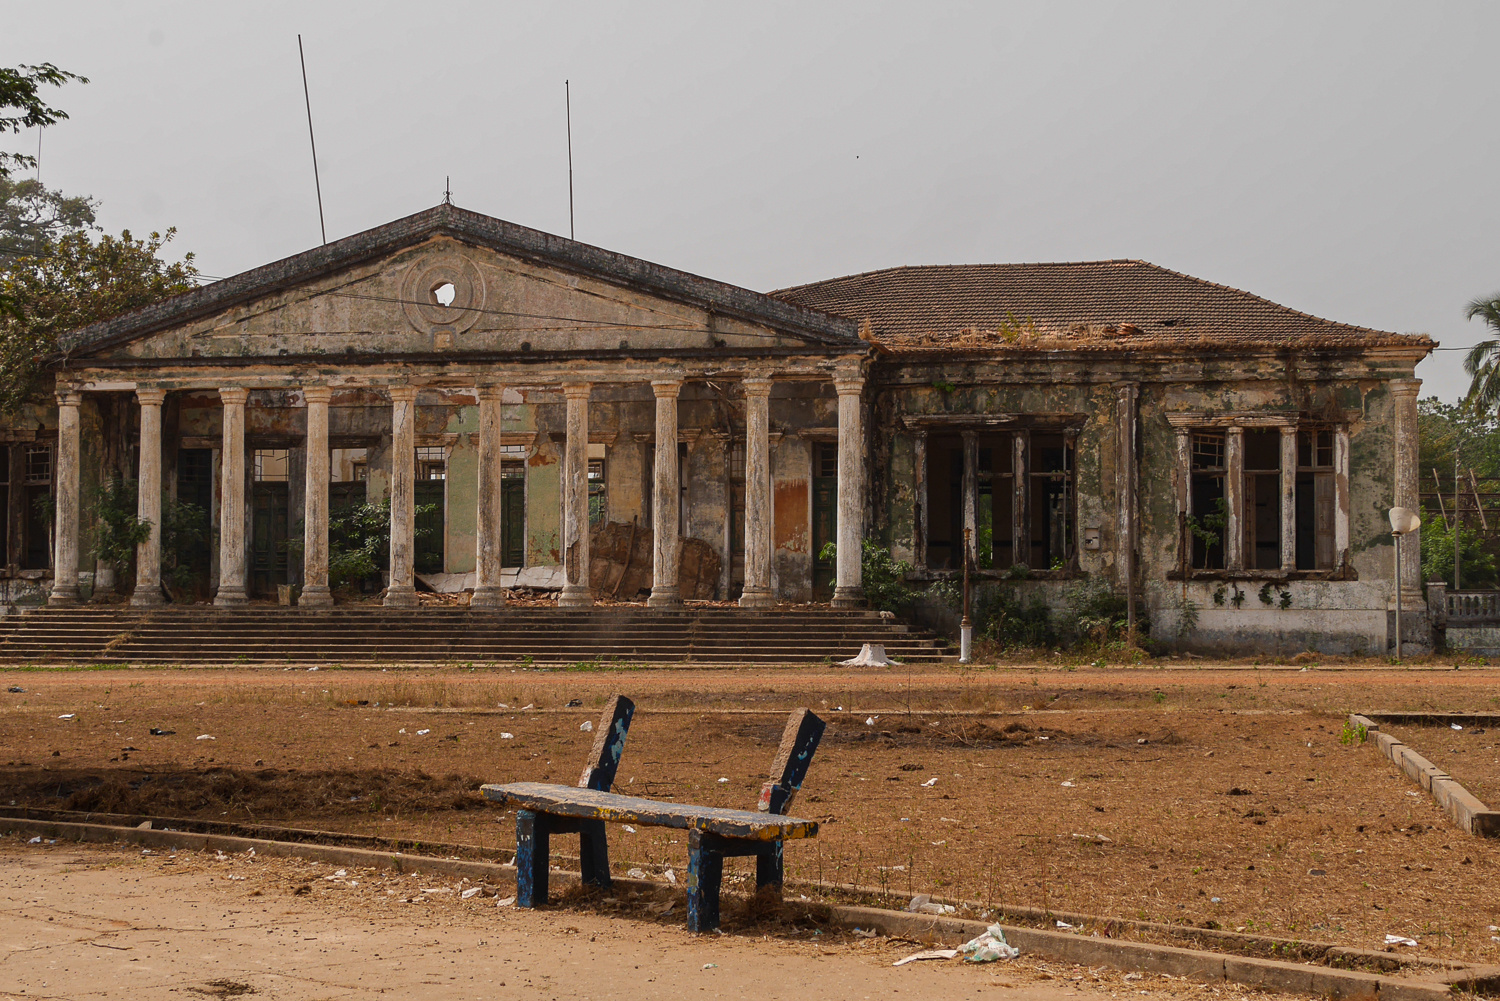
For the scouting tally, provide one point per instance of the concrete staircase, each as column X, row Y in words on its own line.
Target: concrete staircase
column 371, row 634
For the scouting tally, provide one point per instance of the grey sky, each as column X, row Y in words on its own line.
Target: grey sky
column 1335, row 157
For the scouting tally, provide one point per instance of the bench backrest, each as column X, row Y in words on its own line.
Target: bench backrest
column 609, row 744
column 798, row 742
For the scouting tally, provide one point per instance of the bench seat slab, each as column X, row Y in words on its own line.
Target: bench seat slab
column 590, row 804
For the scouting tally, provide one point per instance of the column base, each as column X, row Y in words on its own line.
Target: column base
column 315, row 596
column 488, row 596
column 401, row 596
column 848, row 597
column 147, row 596
column 757, row 597
column 63, row 595
column 575, row 596
column 231, row 597
column 665, row 597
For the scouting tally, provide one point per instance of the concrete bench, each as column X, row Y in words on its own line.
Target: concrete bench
column 714, row 833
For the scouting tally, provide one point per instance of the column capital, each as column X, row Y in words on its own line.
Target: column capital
column 489, row 392
column 666, row 388
column 150, row 396
column 1234, row 431
column 1405, row 387
column 577, row 390
column 1287, row 430
column 234, row 394
column 402, row 394
column 848, row 382
column 757, row 385
column 69, row 398
column 317, row 394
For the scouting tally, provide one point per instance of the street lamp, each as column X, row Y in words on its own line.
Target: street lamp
column 1404, row 521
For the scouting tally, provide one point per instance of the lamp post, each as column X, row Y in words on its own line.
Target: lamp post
column 1403, row 522
column 966, row 625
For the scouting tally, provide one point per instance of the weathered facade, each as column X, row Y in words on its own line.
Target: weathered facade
column 506, row 390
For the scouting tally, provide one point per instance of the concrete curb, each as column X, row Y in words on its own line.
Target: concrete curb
column 1461, row 807
column 1090, row 950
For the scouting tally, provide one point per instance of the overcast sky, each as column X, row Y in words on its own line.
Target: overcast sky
column 1340, row 158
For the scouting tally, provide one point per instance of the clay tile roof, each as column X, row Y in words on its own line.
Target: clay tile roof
column 1091, row 305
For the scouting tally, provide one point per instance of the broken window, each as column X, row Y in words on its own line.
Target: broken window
column 1209, row 516
column 1315, row 501
column 1262, row 499
column 432, row 462
column 272, row 465
column 598, row 492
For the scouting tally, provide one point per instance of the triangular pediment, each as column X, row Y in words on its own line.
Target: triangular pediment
column 452, row 283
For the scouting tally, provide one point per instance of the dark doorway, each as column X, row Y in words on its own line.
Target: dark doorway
column 190, row 562
column 513, row 516
column 270, row 505
column 825, row 496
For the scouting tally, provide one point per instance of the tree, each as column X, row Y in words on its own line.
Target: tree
column 21, row 106
column 77, row 281
column 1482, row 363
column 33, row 217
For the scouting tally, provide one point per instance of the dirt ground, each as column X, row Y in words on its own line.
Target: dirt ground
column 1204, row 795
column 95, row 922
column 1470, row 754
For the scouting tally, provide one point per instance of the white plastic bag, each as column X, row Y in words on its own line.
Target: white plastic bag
column 988, row 947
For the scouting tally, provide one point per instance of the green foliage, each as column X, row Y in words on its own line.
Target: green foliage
column 1353, row 734
column 1100, row 616
column 1479, row 569
column 34, row 217
column 1210, row 529
column 1011, row 622
column 1442, row 427
column 185, row 530
column 1265, row 594
column 1482, row 363
column 359, row 540
column 117, row 530
column 881, row 575
column 943, row 386
column 21, row 106
column 77, row 281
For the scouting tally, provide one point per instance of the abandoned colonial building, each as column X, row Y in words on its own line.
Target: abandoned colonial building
column 542, row 412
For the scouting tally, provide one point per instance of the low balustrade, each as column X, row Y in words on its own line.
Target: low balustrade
column 1463, row 608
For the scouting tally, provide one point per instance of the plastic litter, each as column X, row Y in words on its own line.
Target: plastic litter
column 629, row 829
column 68, row 716
column 402, row 730
column 926, row 954
column 930, row 782
column 1065, row 926
column 16, row 688
column 870, row 720
column 865, row 933
column 922, row 904
column 1067, row 785
column 1399, row 940
column 35, row 841
column 671, row 876
column 507, row 736
column 988, row 947
column 155, row 732
column 587, row 726
column 870, row 655
column 204, row 736
column 472, row 891
column 710, row 966
column 422, row 732
column 505, row 901
column 1455, row 726
column 572, row 703
column 637, row 874
column 723, row 780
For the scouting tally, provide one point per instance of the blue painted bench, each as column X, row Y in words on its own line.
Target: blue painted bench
column 714, row 833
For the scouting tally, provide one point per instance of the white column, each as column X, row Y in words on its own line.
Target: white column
column 758, row 513
column 148, row 501
column 315, row 593
column 401, row 592
column 1289, row 498
column 489, row 548
column 969, row 490
column 232, row 498
column 919, row 490
column 1404, row 394
column 1182, row 483
column 1234, row 497
column 576, row 592
column 65, row 551
column 849, row 590
column 666, row 544
column 1340, row 495
column 1126, row 482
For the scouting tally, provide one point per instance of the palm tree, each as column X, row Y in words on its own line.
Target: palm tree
column 1482, row 363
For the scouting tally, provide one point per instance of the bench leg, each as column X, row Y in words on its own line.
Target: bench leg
column 533, row 851
column 768, row 867
column 593, row 854
column 705, row 874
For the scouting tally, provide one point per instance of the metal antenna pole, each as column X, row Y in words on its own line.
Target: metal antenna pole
column 306, row 97
column 1398, row 594
column 1457, row 523
column 966, row 626
column 568, row 103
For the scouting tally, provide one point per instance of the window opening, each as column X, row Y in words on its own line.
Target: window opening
column 443, row 294
column 432, row 462
column 1210, row 517
column 1051, row 498
column 1315, row 501
column 598, row 488
column 272, row 465
column 1262, row 499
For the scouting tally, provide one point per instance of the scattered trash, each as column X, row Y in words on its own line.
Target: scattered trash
column 870, row 655
column 1067, row 785
column 161, row 733
column 17, row 689
column 574, row 703
column 472, row 891
column 926, row 954
column 423, row 732
column 870, row 720
column 988, row 947
column 1132, row 976
column 838, row 709
column 204, row 736
column 665, row 907
column 671, row 876
column 1065, row 926
column 922, row 904
column 402, row 730
column 1399, row 940
column 507, row 736
column 1215, row 900
column 438, row 889
column 863, row 933
column 35, row 841
column 68, row 716
column 313, row 668
column 144, row 825
column 930, row 782
column 710, row 966
column 338, row 875
column 1455, row 726
column 637, row 874
column 1317, row 872
column 527, row 706
column 723, row 780
column 629, row 829
column 586, row 726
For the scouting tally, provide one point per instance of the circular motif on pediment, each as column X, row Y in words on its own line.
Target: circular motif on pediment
column 443, row 291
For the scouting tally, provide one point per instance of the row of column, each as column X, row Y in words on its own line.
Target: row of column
column 488, row 592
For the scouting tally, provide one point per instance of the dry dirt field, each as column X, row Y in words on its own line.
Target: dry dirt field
column 1204, row 795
